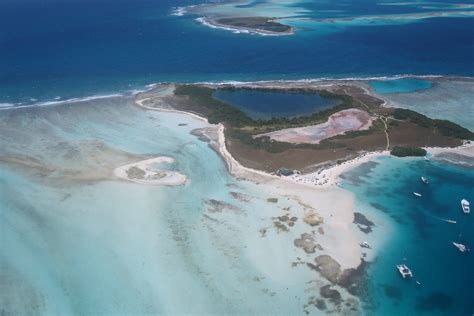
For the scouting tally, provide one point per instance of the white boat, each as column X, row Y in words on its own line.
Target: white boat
column 424, row 180
column 452, row 221
column 461, row 247
column 404, row 270
column 365, row 244
column 417, row 194
column 466, row 206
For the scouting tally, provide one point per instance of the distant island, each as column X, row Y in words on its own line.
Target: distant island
column 261, row 25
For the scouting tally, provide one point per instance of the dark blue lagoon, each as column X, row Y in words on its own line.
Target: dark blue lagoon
column 261, row 104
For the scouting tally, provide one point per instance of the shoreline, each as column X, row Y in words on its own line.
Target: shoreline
column 10, row 105
column 340, row 241
column 321, row 194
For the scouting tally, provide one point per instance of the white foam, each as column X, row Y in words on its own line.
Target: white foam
column 178, row 11
column 322, row 79
column 58, row 102
column 237, row 30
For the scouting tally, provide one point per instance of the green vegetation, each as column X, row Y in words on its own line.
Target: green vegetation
column 400, row 151
column 220, row 112
column 215, row 110
column 445, row 127
column 243, row 128
column 240, row 126
column 258, row 23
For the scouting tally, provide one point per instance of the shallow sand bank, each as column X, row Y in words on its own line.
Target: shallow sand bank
column 143, row 172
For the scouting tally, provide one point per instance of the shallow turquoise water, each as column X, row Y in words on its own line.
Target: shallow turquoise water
column 267, row 104
column 419, row 235
column 404, row 85
column 74, row 241
column 446, row 99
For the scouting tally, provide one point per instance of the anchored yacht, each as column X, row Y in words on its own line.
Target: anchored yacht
column 424, row 180
column 404, row 271
column 417, row 194
column 466, row 206
column 461, row 247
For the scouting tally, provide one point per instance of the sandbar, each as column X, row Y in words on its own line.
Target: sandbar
column 143, row 172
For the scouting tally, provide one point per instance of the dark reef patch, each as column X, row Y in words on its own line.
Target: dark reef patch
column 363, row 223
column 333, row 295
column 393, row 292
column 436, row 301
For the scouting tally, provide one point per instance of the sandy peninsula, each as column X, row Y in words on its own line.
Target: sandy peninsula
column 144, row 172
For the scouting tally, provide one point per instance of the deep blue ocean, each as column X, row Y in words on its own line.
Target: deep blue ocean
column 77, row 48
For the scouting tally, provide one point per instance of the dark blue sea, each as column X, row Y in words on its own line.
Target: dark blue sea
column 78, row 48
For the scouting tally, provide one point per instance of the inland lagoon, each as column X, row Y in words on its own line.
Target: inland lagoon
column 261, row 104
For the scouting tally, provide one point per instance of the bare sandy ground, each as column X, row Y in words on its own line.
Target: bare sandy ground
column 337, row 124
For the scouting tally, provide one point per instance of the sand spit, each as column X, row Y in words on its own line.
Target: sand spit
column 143, row 172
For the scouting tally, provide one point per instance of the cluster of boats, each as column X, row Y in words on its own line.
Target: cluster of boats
column 405, row 272
column 465, row 204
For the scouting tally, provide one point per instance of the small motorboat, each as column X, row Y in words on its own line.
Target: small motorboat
column 365, row 244
column 417, row 194
column 404, row 271
column 466, row 206
column 460, row 247
column 424, row 180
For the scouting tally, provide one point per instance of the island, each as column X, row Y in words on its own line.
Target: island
column 260, row 25
column 357, row 124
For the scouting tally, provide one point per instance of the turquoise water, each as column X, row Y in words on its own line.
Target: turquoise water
column 448, row 99
column 404, row 85
column 75, row 241
column 419, row 237
column 260, row 104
